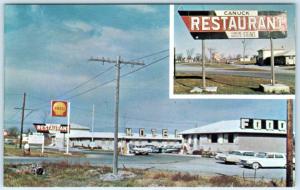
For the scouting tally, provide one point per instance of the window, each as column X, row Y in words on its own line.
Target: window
column 279, row 156
column 263, row 124
column 270, row 156
column 275, row 125
column 214, row 138
column 230, row 138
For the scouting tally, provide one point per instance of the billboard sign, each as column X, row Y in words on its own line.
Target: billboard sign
column 263, row 124
column 235, row 24
column 45, row 128
column 36, row 138
column 59, row 108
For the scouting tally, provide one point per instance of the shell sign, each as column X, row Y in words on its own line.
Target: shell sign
column 59, row 108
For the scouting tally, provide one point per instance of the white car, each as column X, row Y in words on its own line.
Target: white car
column 265, row 159
column 139, row 150
column 236, row 156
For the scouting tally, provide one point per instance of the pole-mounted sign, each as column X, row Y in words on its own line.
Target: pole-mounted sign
column 59, row 108
column 235, row 24
column 48, row 127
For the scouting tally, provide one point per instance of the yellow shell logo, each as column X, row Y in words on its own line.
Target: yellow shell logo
column 59, row 108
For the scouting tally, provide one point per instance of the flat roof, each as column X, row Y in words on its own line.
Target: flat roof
column 228, row 126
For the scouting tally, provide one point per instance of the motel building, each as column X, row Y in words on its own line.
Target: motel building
column 245, row 134
column 281, row 57
column 81, row 136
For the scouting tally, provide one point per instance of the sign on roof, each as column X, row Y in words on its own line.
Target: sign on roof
column 263, row 124
column 227, row 24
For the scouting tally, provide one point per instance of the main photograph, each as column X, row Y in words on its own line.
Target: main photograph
column 87, row 104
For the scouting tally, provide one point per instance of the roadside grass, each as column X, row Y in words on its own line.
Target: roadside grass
column 227, row 84
column 13, row 150
column 64, row 174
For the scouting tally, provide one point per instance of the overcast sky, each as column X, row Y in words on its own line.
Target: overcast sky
column 46, row 53
column 183, row 40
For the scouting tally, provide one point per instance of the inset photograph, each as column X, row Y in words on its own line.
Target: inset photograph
column 234, row 49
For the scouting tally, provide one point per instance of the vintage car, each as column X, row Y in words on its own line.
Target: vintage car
column 141, row 150
column 265, row 159
column 235, row 156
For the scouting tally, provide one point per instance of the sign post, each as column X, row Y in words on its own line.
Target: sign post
column 272, row 62
column 37, row 138
column 62, row 109
column 203, row 65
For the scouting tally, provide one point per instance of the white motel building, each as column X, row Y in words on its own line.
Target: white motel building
column 244, row 134
column 80, row 136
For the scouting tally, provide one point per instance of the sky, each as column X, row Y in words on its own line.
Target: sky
column 47, row 48
column 183, row 40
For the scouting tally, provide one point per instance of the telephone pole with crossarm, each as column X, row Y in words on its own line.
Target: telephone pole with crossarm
column 117, row 63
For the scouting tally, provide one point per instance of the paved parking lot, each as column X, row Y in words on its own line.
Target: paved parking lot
column 182, row 163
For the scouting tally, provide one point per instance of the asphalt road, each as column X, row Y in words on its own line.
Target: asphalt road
column 181, row 163
column 263, row 73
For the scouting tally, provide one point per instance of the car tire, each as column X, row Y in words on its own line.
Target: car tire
column 255, row 165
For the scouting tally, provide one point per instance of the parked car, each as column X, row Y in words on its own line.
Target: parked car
column 236, row 156
column 153, row 148
column 220, row 155
column 170, row 149
column 265, row 159
column 141, row 150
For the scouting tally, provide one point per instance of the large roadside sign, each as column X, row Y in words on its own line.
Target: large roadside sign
column 235, row 24
column 59, row 108
column 36, row 138
column 46, row 127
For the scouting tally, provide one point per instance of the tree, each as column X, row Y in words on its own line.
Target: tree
column 13, row 131
column 189, row 53
column 179, row 57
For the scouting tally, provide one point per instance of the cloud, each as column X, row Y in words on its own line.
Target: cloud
column 139, row 8
column 78, row 26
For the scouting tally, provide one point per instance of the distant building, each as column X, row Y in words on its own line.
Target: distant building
column 216, row 57
column 281, row 57
column 245, row 59
column 5, row 133
column 245, row 134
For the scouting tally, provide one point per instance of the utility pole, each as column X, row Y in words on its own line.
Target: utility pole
column 93, row 122
column 210, row 53
column 289, row 144
column 244, row 48
column 117, row 63
column 22, row 118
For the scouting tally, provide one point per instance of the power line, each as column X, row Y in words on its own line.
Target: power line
column 85, row 82
column 98, row 86
column 124, row 75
